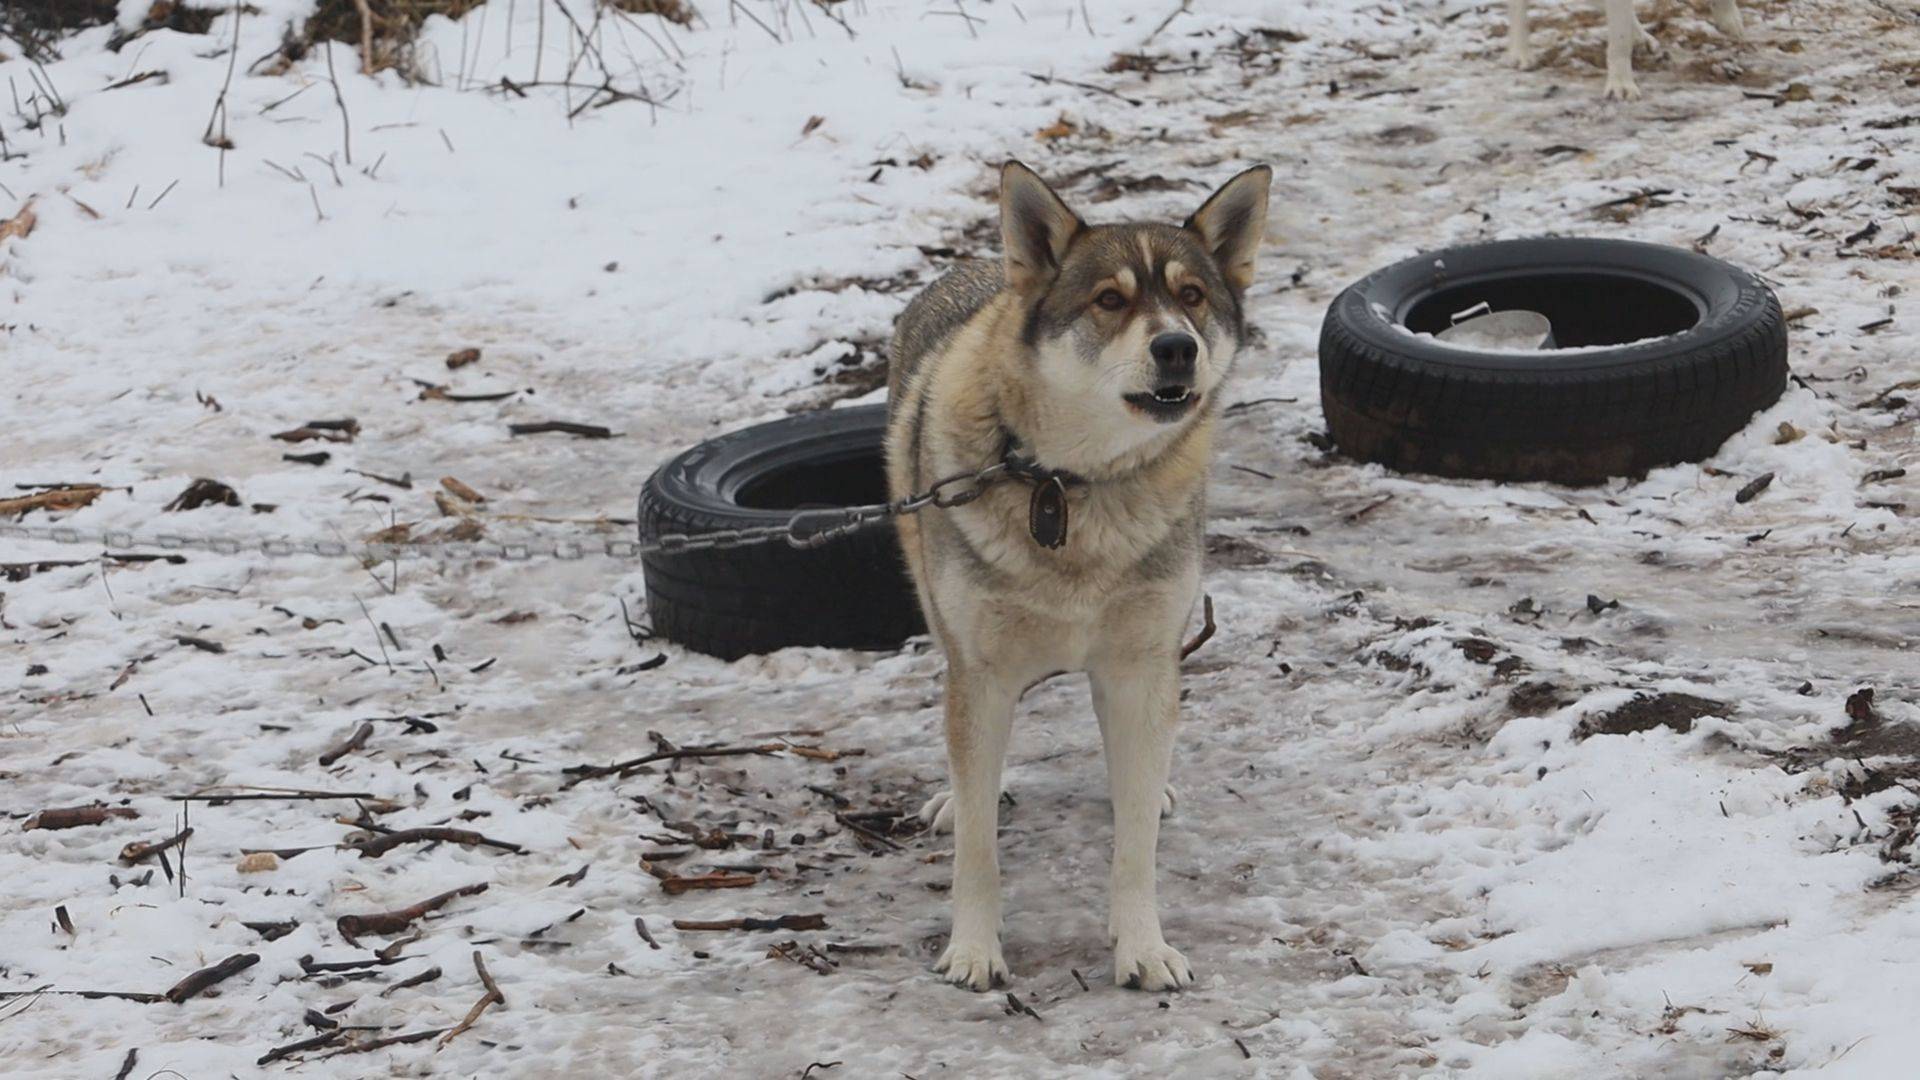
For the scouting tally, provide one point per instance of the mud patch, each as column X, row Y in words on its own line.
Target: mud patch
column 1538, row 699
column 1645, row 712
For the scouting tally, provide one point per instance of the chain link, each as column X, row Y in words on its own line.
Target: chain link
column 805, row 529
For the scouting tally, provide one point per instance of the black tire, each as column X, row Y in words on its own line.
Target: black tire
column 851, row 593
column 1615, row 405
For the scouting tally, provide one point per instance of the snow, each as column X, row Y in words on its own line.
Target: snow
column 1386, row 861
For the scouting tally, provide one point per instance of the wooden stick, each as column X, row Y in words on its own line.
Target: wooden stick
column 327, row 1038
column 72, row 498
column 200, row 981
column 426, row 976
column 354, row 742
column 120, row 995
column 140, row 849
column 493, row 996
column 71, row 817
column 748, row 922
column 391, row 1040
column 243, row 794
column 577, row 773
column 376, row 846
column 392, row 922
column 675, row 884
column 366, row 38
column 1206, row 629
column 591, row 431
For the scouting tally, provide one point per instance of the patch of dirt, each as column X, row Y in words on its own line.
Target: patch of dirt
column 1676, row 712
column 1234, row 553
column 1538, row 699
column 674, row 11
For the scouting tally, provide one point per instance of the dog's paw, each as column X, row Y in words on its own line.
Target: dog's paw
column 937, row 813
column 1649, row 44
column 1521, row 56
column 974, row 965
column 1169, row 801
column 1622, row 88
column 1150, row 965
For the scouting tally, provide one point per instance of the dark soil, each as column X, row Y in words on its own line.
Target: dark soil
column 1676, row 712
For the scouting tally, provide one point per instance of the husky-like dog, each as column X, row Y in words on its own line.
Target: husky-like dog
column 1091, row 359
column 1623, row 32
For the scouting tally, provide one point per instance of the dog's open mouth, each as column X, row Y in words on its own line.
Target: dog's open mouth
column 1165, row 403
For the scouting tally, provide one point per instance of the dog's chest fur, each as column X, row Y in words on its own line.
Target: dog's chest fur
column 1133, row 535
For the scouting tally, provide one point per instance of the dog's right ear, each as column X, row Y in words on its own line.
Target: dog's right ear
column 1035, row 227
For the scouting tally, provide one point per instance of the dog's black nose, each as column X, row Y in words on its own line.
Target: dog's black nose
column 1174, row 353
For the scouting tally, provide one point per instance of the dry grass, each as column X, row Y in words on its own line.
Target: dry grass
column 674, row 11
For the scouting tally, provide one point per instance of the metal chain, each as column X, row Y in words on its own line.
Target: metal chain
column 805, row 529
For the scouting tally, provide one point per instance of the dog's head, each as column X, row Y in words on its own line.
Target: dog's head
column 1132, row 328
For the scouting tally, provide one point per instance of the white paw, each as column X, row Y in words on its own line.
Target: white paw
column 1150, row 965
column 1520, row 56
column 1622, row 88
column 937, row 813
column 1169, row 801
column 1650, row 44
column 972, row 964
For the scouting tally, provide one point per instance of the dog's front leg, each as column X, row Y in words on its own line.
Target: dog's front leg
column 979, row 715
column 1137, row 700
column 1622, row 31
column 1726, row 16
column 1519, row 35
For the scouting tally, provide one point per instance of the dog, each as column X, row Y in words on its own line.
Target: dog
column 1090, row 361
column 1623, row 32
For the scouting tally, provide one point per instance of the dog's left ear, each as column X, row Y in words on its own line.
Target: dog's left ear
column 1232, row 221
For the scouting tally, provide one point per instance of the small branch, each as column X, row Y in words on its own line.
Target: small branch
column 70, row 817
column 590, row 431
column 392, row 922
column 493, row 996
column 140, row 850
column 1206, row 629
column 200, row 981
column 346, row 127
column 748, row 922
column 376, row 846
column 353, row 742
column 391, row 1040
column 366, row 37
column 576, row 773
column 327, row 1038
column 426, row 976
column 675, row 884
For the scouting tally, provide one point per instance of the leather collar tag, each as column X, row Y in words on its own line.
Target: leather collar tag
column 1047, row 513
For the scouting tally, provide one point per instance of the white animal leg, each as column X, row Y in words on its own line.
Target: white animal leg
column 1726, row 16
column 979, row 716
column 1137, row 700
column 1621, row 27
column 1519, row 35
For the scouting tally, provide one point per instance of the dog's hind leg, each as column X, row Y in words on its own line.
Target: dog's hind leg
column 1646, row 40
column 1519, row 35
column 1726, row 16
column 1622, row 28
column 1137, row 700
column 979, row 716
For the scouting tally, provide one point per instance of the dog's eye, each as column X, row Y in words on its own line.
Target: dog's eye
column 1111, row 300
column 1191, row 295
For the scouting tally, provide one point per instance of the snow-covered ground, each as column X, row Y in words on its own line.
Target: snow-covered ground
column 1415, row 836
